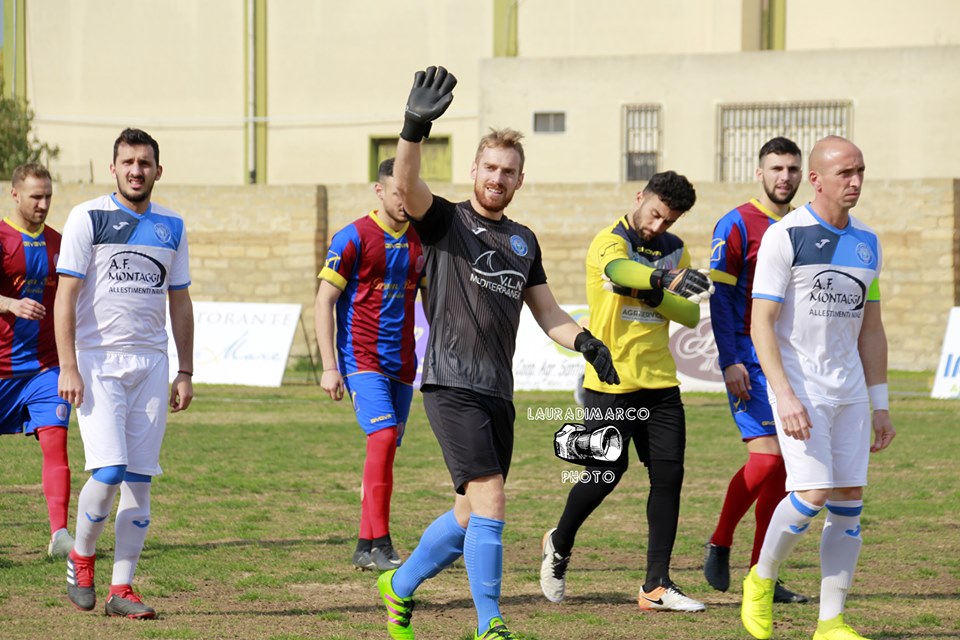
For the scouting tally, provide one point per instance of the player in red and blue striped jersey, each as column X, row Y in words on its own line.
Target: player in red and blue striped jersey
column 29, row 367
column 371, row 276
column 736, row 241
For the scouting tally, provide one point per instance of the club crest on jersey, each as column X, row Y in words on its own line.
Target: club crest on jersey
column 518, row 245
column 864, row 253
column 62, row 412
column 162, row 231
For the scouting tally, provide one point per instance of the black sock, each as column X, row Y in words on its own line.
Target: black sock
column 364, row 544
column 383, row 542
column 583, row 499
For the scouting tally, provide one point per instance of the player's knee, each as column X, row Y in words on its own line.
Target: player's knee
column 847, row 493
column 665, row 474
column 815, row 497
column 110, row 475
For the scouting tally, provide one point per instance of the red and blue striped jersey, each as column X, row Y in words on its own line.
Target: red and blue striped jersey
column 28, row 271
column 733, row 261
column 378, row 271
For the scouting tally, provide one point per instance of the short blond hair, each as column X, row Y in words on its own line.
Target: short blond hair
column 28, row 169
column 502, row 139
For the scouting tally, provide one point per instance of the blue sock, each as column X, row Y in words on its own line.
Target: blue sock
column 440, row 545
column 483, row 554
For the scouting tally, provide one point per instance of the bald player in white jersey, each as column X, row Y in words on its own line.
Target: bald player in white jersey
column 819, row 337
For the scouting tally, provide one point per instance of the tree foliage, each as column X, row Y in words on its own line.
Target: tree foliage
column 18, row 144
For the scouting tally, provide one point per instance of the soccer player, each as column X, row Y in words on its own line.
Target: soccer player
column 819, row 337
column 638, row 280
column 29, row 403
column 371, row 276
column 122, row 259
column 481, row 268
column 733, row 262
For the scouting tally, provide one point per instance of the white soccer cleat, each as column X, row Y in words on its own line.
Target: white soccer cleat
column 61, row 544
column 553, row 570
column 668, row 598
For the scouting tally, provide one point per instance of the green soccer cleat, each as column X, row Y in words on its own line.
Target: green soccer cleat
column 836, row 630
column 496, row 631
column 399, row 610
column 756, row 611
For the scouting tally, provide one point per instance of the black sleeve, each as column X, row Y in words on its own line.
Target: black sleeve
column 436, row 221
column 537, row 275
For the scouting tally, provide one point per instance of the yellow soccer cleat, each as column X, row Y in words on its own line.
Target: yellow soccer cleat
column 756, row 611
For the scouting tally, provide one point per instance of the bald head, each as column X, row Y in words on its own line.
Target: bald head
column 836, row 174
column 827, row 149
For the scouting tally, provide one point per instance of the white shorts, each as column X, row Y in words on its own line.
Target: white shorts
column 124, row 412
column 838, row 451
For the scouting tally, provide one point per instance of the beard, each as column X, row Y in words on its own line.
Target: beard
column 135, row 196
column 775, row 199
column 493, row 205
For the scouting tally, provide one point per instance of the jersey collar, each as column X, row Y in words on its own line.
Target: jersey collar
column 113, row 196
column 32, row 234
column 770, row 214
column 396, row 235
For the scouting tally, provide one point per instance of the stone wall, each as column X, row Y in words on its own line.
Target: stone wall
column 267, row 243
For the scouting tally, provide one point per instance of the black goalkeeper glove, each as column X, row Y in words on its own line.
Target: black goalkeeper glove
column 430, row 96
column 691, row 284
column 597, row 354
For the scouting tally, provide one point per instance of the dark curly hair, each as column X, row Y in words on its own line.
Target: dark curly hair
column 779, row 146
column 674, row 189
column 136, row 137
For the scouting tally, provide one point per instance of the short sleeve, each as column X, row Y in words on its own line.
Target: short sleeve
column 774, row 263
column 341, row 257
column 726, row 251
column 436, row 221
column 537, row 274
column 76, row 244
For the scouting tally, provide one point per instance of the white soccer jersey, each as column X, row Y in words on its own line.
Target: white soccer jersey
column 128, row 262
column 824, row 277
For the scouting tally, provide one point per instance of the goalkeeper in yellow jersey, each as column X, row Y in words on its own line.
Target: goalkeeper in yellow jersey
column 638, row 280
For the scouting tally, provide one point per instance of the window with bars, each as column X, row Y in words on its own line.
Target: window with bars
column 436, row 157
column 744, row 128
column 641, row 141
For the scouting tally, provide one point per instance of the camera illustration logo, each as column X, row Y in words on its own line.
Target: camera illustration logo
column 574, row 443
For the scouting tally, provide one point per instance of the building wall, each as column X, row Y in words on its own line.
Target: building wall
column 338, row 74
column 903, row 106
column 268, row 243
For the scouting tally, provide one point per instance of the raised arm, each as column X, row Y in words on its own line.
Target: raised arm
column 431, row 94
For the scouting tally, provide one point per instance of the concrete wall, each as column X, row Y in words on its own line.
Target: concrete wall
column 338, row 74
column 267, row 243
column 902, row 100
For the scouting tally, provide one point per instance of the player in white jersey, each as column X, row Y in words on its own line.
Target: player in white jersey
column 819, row 337
column 121, row 259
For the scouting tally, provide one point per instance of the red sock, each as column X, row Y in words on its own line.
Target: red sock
column 56, row 475
column 771, row 494
column 378, row 483
column 744, row 489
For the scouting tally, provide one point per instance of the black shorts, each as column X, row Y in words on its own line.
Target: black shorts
column 661, row 436
column 475, row 432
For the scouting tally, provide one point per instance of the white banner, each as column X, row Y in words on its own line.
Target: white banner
column 946, row 385
column 239, row 343
column 541, row 364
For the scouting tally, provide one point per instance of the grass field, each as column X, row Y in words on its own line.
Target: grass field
column 255, row 519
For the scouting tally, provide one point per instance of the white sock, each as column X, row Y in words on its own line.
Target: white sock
column 93, row 508
column 133, row 519
column 839, row 550
column 790, row 521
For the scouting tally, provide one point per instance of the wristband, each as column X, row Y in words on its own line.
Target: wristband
column 186, row 373
column 879, row 397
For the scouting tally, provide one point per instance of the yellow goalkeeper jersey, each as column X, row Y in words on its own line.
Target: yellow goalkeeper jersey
column 638, row 336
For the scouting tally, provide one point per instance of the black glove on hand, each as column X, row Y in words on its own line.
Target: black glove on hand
column 430, row 96
column 688, row 283
column 597, row 354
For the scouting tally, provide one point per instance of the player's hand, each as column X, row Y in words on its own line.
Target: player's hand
column 598, row 355
column 883, row 431
column 692, row 284
column 70, row 386
column 181, row 392
column 738, row 381
column 794, row 418
column 332, row 383
column 28, row 309
column 430, row 96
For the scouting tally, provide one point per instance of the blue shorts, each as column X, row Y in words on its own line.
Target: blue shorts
column 754, row 417
column 31, row 402
column 379, row 402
